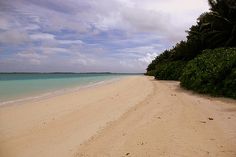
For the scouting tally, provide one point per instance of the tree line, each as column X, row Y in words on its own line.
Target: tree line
column 206, row 60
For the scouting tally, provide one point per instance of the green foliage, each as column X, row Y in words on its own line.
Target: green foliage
column 185, row 50
column 212, row 72
column 161, row 58
column 170, row 70
column 151, row 73
column 216, row 28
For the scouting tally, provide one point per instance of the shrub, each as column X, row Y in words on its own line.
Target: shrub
column 170, row 70
column 213, row 72
column 151, row 73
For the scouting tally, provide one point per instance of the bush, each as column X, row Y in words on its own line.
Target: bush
column 151, row 73
column 213, row 72
column 170, row 70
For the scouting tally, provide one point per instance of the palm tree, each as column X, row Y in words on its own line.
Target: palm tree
column 218, row 27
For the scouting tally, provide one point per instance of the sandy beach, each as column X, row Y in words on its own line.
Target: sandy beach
column 135, row 116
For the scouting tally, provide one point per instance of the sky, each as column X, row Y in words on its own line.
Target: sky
column 91, row 35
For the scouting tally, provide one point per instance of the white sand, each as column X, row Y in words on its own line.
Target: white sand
column 135, row 116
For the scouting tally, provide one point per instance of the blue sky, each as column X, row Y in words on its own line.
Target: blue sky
column 91, row 35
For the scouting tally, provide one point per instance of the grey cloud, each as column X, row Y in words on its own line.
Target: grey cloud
column 30, row 54
column 4, row 23
column 83, row 16
column 14, row 37
column 39, row 24
column 31, row 57
column 32, row 27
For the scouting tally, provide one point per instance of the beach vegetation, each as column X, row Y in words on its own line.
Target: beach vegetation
column 169, row 70
column 213, row 72
column 213, row 35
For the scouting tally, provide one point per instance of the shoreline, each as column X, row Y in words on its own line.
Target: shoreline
column 133, row 116
column 58, row 125
column 46, row 95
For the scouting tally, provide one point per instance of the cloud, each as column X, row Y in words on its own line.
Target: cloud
column 53, row 50
column 42, row 36
column 143, row 49
column 83, row 60
column 35, row 61
column 4, row 24
column 13, row 37
column 30, row 54
column 83, row 16
column 101, row 35
column 147, row 58
column 70, row 42
column 31, row 57
column 31, row 27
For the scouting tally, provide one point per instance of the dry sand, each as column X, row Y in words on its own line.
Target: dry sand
column 135, row 116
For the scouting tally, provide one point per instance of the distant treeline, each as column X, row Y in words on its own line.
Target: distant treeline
column 206, row 61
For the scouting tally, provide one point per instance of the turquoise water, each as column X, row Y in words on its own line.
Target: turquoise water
column 19, row 86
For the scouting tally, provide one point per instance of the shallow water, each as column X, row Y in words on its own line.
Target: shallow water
column 19, row 86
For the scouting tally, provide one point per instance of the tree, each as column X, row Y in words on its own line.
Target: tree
column 218, row 27
column 214, row 29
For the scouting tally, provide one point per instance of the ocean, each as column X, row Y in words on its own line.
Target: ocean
column 23, row 86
